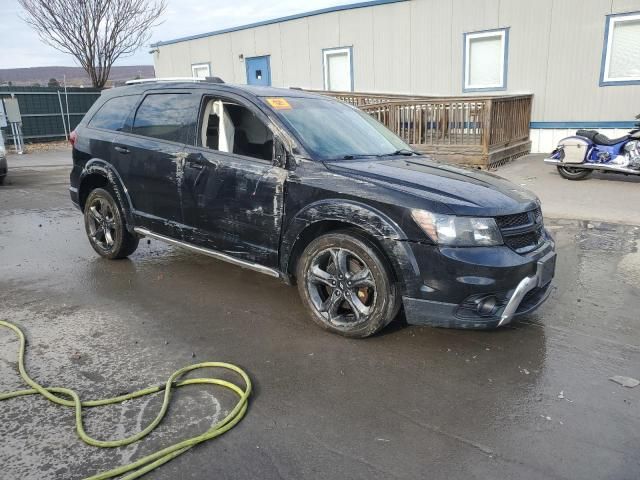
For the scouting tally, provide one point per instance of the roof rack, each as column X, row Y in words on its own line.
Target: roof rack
column 175, row 79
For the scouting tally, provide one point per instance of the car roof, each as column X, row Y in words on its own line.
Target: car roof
column 252, row 90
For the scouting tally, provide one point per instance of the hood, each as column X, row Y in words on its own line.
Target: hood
column 444, row 188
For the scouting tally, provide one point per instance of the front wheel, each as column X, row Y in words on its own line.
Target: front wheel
column 105, row 226
column 573, row 173
column 346, row 284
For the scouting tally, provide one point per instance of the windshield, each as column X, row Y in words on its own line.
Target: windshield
column 332, row 130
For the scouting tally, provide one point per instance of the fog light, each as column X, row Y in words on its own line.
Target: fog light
column 485, row 306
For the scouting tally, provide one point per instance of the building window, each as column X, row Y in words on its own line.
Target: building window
column 338, row 69
column 621, row 54
column 485, row 60
column 201, row 70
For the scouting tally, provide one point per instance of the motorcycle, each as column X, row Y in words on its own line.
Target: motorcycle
column 577, row 157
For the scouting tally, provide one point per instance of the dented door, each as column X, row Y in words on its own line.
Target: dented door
column 233, row 204
column 150, row 171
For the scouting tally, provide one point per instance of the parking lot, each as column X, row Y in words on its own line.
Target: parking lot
column 530, row 401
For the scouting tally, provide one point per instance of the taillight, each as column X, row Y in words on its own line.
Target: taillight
column 73, row 136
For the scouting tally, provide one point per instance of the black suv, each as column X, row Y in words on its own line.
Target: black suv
column 311, row 190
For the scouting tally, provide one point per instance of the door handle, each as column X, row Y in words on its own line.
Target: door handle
column 120, row 149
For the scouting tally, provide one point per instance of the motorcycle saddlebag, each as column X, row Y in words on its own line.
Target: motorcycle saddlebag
column 575, row 149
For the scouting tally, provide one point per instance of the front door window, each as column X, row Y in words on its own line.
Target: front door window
column 231, row 128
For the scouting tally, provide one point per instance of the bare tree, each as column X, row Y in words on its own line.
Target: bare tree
column 95, row 32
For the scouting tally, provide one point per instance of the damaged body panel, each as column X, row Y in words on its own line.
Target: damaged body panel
column 289, row 183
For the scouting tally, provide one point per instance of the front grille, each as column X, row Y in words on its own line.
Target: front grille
column 519, row 219
column 510, row 221
column 522, row 232
column 537, row 216
column 525, row 241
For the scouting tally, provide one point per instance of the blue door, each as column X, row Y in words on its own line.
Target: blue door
column 258, row 71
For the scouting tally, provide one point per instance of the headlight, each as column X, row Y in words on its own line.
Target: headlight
column 458, row 231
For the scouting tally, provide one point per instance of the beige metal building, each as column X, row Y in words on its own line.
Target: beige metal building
column 580, row 58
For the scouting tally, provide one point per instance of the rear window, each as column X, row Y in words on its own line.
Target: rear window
column 113, row 114
column 168, row 116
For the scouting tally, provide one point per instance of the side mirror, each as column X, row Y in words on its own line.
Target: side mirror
column 281, row 157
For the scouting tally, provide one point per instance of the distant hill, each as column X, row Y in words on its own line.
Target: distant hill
column 76, row 76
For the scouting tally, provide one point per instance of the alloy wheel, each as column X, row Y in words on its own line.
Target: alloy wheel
column 102, row 225
column 341, row 287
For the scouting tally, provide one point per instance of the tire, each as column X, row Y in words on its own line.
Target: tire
column 346, row 284
column 572, row 173
column 2, row 178
column 105, row 226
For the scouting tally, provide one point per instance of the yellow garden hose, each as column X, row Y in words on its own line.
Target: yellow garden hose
column 154, row 460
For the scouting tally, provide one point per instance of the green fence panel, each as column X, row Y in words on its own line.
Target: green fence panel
column 41, row 111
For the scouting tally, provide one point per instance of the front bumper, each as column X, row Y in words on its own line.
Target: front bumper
column 450, row 296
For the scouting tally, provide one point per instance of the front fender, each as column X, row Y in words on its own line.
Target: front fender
column 104, row 169
column 388, row 235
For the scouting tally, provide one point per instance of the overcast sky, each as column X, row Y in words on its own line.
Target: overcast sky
column 21, row 47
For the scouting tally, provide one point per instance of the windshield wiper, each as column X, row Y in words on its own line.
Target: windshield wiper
column 404, row 151
column 351, row 156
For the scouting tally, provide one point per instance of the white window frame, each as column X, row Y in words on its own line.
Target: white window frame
column 195, row 66
column 503, row 33
column 330, row 51
column 612, row 20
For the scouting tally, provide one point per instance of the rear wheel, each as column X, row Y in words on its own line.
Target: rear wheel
column 346, row 285
column 105, row 226
column 574, row 173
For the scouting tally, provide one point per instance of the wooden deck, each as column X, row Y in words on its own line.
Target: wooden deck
column 483, row 131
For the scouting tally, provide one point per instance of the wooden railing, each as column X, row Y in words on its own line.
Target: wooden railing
column 484, row 131
column 358, row 99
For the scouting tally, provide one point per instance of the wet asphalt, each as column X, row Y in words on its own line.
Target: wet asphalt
column 531, row 401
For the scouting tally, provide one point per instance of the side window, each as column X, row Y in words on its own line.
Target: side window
column 168, row 116
column 113, row 114
column 233, row 128
column 621, row 55
column 338, row 68
column 201, row 70
column 485, row 60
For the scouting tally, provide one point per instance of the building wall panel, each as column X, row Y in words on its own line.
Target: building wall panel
column 295, row 53
column 416, row 47
column 267, row 42
column 356, row 30
column 180, row 60
column 324, row 32
column 221, row 56
column 199, row 53
column 528, row 75
column 243, row 43
column 622, row 6
column 392, row 44
column 577, row 29
column 431, row 47
column 468, row 16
